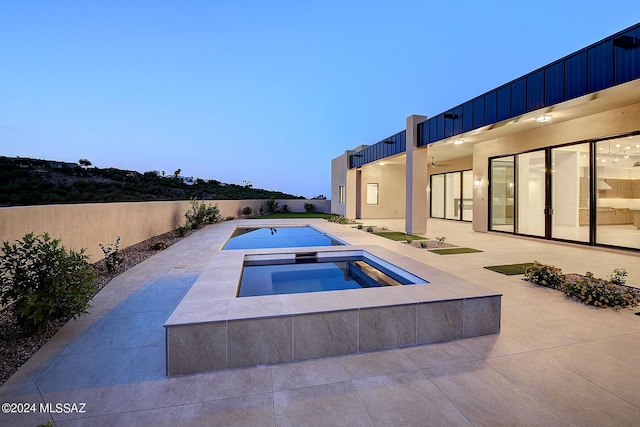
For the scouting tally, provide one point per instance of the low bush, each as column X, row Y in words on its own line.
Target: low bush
column 199, row 214
column 587, row 289
column 247, row 210
column 339, row 219
column 286, row 209
column 159, row 246
column 112, row 258
column 424, row 245
column 42, row 282
column 545, row 275
column 309, row 207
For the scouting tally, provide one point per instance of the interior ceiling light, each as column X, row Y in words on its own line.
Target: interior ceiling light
column 615, row 154
column 381, row 163
column 543, row 118
column 458, row 141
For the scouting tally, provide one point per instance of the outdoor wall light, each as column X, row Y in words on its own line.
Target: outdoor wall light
column 543, row 119
column 477, row 181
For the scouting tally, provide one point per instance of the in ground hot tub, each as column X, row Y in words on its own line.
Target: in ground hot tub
column 212, row 328
column 318, row 272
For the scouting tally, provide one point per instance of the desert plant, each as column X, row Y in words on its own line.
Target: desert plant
column 261, row 210
column 545, row 275
column 272, row 205
column 286, row 209
column 409, row 240
column 159, row 246
column 618, row 277
column 112, row 258
column 309, row 207
column 441, row 240
column 339, row 219
column 247, row 210
column 369, row 229
column 424, row 245
column 199, row 214
column 42, row 282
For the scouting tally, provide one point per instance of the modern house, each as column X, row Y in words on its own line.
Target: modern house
column 553, row 154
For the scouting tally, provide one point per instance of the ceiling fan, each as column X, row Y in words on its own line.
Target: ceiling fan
column 433, row 163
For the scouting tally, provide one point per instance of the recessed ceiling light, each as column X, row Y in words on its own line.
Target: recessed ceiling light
column 458, row 141
column 542, row 119
column 381, row 163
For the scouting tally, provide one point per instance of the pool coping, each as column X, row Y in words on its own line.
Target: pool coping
column 211, row 329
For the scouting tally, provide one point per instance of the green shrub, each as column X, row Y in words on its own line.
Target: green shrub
column 44, row 282
column 441, row 240
column 309, row 207
column 360, row 226
column 286, row 209
column 199, row 214
column 618, row 277
column 369, row 229
column 112, row 258
column 424, row 245
column 272, row 205
column 247, row 210
column 545, row 275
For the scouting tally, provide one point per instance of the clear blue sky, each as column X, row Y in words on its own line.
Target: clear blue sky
column 264, row 91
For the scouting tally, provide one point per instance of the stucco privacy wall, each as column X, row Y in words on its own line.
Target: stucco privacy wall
column 616, row 121
column 88, row 225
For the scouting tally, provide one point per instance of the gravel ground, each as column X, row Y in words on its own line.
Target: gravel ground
column 16, row 347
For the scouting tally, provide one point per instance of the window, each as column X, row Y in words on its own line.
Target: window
column 372, row 194
column 341, row 194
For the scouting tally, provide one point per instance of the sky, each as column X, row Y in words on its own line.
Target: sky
column 267, row 92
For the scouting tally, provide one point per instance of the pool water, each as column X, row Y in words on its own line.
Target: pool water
column 281, row 237
column 289, row 278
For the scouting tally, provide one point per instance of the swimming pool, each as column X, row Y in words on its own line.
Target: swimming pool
column 279, row 237
column 306, row 272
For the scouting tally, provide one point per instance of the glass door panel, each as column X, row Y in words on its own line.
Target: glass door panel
column 531, row 193
column 502, row 194
column 467, row 196
column 452, row 195
column 570, row 192
column 437, row 196
column 618, row 189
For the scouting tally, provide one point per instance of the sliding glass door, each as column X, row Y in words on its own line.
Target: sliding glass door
column 452, row 195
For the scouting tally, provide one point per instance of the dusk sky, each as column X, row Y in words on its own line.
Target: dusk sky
column 263, row 91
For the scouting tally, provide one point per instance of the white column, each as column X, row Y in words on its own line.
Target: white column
column 416, row 170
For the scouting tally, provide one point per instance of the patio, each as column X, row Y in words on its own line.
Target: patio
column 555, row 362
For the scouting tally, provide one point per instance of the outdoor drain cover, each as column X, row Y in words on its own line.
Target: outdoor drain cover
column 182, row 266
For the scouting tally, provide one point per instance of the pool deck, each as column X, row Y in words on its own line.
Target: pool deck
column 555, row 361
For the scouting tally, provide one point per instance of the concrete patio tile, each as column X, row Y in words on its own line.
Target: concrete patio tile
column 86, row 400
column 485, row 397
column 567, row 394
column 162, row 417
column 86, row 370
column 377, row 363
column 308, row 373
column 30, row 395
column 256, row 410
column 127, row 330
column 625, row 348
column 144, row 395
column 492, row 346
column 148, row 364
column 334, row 404
column 529, row 333
column 617, row 377
column 229, row 384
column 407, row 399
column 426, row 356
